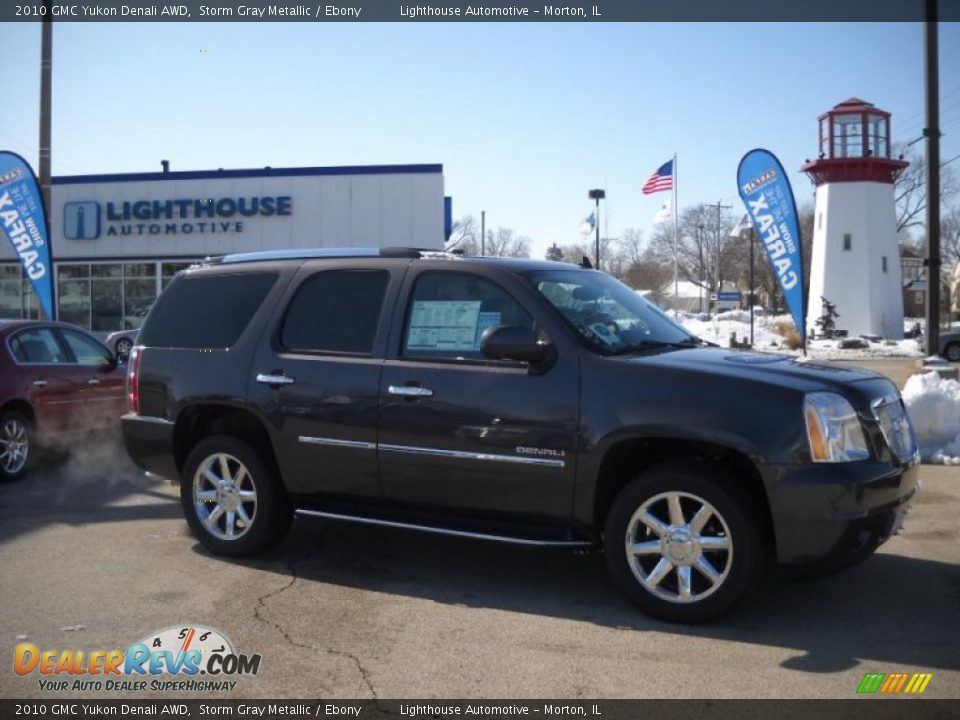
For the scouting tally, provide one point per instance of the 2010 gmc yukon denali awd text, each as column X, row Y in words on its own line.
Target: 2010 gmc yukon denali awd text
column 514, row 400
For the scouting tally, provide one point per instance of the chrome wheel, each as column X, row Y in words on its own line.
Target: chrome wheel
column 952, row 352
column 679, row 547
column 14, row 446
column 224, row 496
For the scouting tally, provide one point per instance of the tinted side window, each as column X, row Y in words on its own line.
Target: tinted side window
column 336, row 311
column 206, row 311
column 449, row 311
column 38, row 345
column 87, row 351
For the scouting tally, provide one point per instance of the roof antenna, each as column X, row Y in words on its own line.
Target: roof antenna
column 585, row 263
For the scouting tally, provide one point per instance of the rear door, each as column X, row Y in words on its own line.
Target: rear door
column 105, row 398
column 466, row 436
column 317, row 376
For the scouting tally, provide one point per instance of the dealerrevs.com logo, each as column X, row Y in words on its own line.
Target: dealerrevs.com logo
column 184, row 658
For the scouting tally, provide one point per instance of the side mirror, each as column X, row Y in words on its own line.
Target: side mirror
column 512, row 342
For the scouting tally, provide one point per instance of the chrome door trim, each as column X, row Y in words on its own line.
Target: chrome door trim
column 443, row 531
column 464, row 455
column 337, row 442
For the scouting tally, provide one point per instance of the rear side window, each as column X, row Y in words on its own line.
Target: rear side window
column 336, row 311
column 37, row 345
column 206, row 311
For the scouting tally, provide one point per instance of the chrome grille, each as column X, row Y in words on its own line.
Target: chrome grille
column 896, row 427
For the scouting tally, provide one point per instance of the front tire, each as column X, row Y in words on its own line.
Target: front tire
column 684, row 544
column 234, row 504
column 15, row 444
column 952, row 352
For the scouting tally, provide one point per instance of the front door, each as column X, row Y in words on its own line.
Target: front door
column 104, row 395
column 464, row 435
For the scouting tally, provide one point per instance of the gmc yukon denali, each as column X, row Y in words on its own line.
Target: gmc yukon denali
column 520, row 401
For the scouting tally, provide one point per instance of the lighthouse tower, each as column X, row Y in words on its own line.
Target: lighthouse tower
column 856, row 258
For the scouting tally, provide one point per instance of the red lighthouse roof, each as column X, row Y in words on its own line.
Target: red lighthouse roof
column 854, row 145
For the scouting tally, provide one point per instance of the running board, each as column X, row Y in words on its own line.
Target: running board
column 444, row 531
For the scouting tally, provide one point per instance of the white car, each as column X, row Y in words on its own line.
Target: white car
column 121, row 342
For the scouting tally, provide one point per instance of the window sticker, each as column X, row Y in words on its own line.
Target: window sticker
column 485, row 320
column 444, row 325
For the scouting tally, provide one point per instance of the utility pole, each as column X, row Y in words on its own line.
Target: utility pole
column 483, row 233
column 932, row 134
column 46, row 72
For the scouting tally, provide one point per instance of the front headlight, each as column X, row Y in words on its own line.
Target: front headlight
column 833, row 429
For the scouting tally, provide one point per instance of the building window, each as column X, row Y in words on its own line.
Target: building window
column 17, row 299
column 847, row 241
column 884, row 262
column 169, row 269
column 73, row 294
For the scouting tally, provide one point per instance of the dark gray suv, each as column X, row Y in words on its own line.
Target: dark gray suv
column 530, row 402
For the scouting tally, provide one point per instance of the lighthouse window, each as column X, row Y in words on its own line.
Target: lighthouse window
column 848, row 136
column 877, row 141
column 884, row 263
column 847, row 241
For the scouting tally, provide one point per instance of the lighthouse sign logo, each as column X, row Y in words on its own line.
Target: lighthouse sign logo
column 81, row 220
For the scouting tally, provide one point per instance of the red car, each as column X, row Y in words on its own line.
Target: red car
column 56, row 382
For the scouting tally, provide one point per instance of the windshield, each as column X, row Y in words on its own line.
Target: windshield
column 610, row 316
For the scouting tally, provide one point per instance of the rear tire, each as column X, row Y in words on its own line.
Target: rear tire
column 697, row 543
column 16, row 442
column 234, row 504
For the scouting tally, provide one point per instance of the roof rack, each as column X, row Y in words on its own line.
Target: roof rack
column 329, row 252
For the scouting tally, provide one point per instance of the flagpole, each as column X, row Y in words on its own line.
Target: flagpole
column 676, row 279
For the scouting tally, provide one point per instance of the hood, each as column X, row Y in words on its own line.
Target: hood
column 784, row 370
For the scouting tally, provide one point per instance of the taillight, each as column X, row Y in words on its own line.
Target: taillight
column 133, row 380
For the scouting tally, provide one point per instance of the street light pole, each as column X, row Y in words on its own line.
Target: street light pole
column 597, row 195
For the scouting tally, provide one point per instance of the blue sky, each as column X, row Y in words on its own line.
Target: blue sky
column 524, row 117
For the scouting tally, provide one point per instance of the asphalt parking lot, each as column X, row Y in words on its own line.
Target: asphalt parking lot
column 95, row 556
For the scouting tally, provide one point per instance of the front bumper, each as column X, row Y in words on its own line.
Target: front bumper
column 149, row 443
column 837, row 513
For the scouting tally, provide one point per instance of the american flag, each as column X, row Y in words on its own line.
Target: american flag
column 662, row 179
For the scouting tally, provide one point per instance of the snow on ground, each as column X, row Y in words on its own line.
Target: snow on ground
column 767, row 339
column 934, row 407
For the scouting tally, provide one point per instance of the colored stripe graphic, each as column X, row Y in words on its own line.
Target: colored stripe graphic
column 871, row 682
column 894, row 683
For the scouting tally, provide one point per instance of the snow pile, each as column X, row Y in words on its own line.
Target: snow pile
column 766, row 336
column 934, row 407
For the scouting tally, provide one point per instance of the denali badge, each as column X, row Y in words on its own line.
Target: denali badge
column 540, row 451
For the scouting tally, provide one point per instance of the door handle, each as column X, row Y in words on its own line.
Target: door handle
column 410, row 391
column 274, row 379
column 40, row 383
column 93, row 381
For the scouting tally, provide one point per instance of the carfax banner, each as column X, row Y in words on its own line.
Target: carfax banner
column 24, row 224
column 765, row 190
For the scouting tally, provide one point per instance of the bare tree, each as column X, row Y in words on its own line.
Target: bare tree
column 910, row 189
column 465, row 236
column 503, row 242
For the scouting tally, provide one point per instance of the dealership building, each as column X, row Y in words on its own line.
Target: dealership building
column 117, row 240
